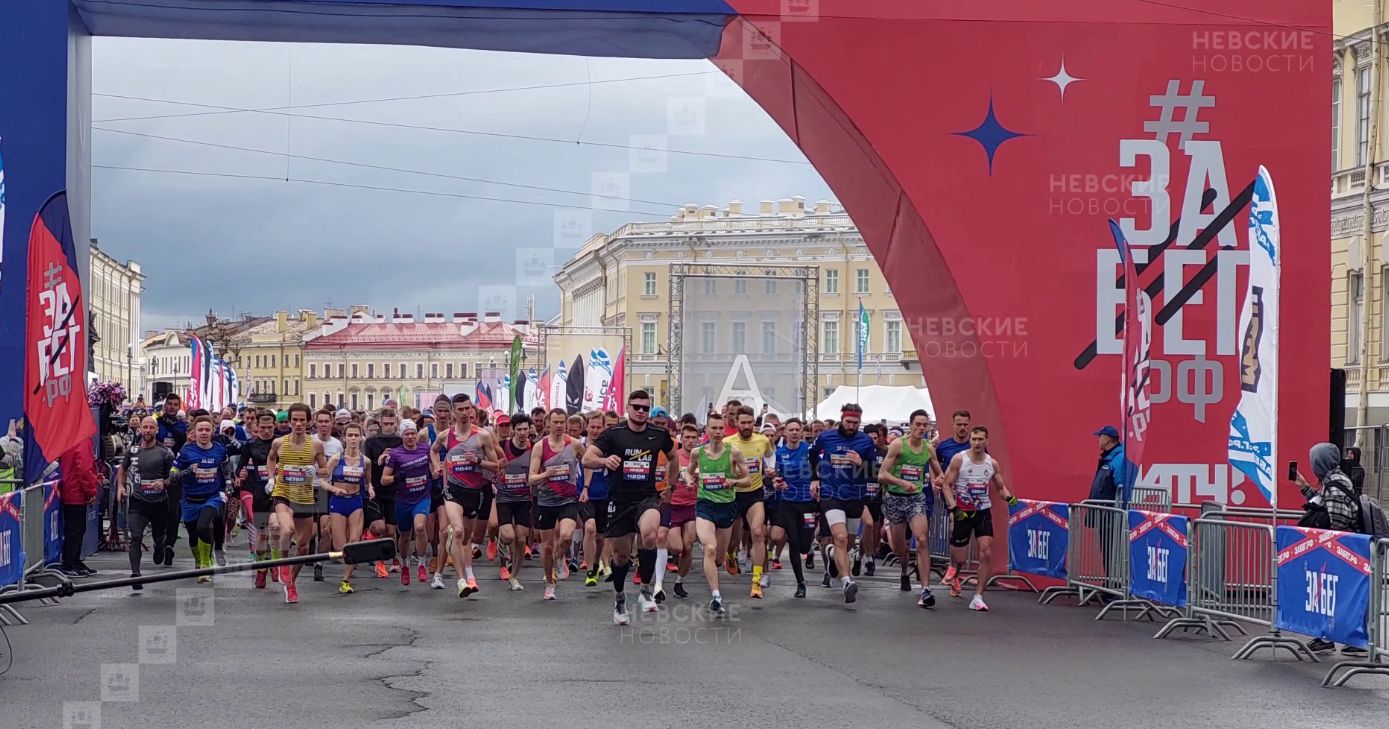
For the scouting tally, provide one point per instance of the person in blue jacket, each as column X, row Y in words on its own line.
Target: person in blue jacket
column 840, row 466
column 1115, row 474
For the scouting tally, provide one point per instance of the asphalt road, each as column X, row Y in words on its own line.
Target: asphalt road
column 231, row 656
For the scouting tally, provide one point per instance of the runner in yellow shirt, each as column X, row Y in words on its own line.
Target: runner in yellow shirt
column 759, row 457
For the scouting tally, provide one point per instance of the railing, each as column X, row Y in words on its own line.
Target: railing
column 1377, row 623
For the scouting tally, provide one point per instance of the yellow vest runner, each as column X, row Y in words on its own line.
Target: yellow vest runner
column 295, row 476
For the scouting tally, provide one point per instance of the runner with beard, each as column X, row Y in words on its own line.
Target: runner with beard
column 462, row 455
column 142, row 476
column 295, row 461
column 379, row 511
column 253, row 490
column 173, row 433
column 757, row 454
column 840, row 461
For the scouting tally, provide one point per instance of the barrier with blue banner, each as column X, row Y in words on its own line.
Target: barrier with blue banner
column 52, row 524
column 1038, row 538
column 1323, row 584
column 11, row 539
column 91, row 540
column 1157, row 557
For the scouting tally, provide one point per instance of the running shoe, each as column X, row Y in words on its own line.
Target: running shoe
column 776, row 564
column 168, row 556
column 527, row 555
column 381, row 571
column 491, row 550
column 928, row 600
column 516, row 585
column 730, row 563
column 204, row 580
column 659, row 595
column 549, row 590
column 591, row 580
column 830, row 563
column 563, row 570
column 826, row 581
column 766, row 580
column 644, row 601
column 260, row 579
column 671, row 566
column 1351, row 650
column 136, row 587
column 679, row 590
column 636, row 578
column 291, row 593
column 850, row 591
column 467, row 587
column 716, row 606
column 345, row 587
column 949, row 575
column 955, row 588
column 978, row 604
column 504, row 573
column 395, row 565
column 405, row 576
column 605, row 570
column 221, row 557
column 583, row 565
column 857, row 567
column 574, row 566
column 744, row 564
column 800, row 589
column 906, row 584
column 477, row 552
column 421, row 573
column 1321, row 647
column 809, row 559
column 620, row 612
column 318, row 573
column 870, row 569
column 438, row 581
column 756, row 591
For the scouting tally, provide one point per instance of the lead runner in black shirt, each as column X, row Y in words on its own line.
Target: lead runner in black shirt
column 628, row 451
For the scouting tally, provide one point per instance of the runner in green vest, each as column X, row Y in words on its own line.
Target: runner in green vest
column 717, row 475
column 908, row 501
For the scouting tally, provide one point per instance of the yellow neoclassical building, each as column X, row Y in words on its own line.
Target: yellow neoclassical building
column 623, row 281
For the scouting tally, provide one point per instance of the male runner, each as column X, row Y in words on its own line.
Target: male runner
column 514, row 498
column 796, row 509
column 594, row 510
column 438, row 522
column 678, row 516
column 173, row 433
column 460, row 456
column 628, row 451
column 755, row 450
column 969, row 477
column 141, row 478
column 555, row 474
column 407, row 467
column 294, row 461
column 946, row 448
column 323, row 427
column 199, row 468
column 907, row 504
column 717, row 469
column 872, row 506
column 839, row 463
column 253, row 490
column 379, row 512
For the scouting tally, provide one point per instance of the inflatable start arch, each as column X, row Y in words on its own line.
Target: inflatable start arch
column 982, row 146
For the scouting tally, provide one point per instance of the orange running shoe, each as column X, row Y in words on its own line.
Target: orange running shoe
column 491, row 549
column 505, row 573
column 405, row 576
column 421, row 574
column 381, row 571
column 291, row 593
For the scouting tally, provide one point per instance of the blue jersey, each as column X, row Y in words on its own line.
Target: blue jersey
column 173, row 433
column 598, row 484
column 946, row 450
column 203, row 467
column 839, row 478
column 794, row 467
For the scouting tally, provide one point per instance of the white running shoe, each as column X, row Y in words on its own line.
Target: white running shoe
column 438, row 581
column 645, row 603
column 744, row 564
column 766, row 580
column 549, row 591
column 978, row 604
column 620, row 613
column 221, row 557
column 516, row 585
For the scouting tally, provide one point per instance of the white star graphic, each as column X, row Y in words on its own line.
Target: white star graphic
column 1062, row 79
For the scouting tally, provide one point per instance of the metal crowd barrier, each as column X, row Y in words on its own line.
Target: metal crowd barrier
column 1096, row 559
column 1377, row 621
column 1156, row 499
column 1233, row 579
column 36, row 566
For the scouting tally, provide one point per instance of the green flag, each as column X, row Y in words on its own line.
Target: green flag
column 516, row 354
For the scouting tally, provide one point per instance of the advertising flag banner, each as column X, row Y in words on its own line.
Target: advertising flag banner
column 559, row 383
column 543, row 388
column 1038, row 537
column 514, row 381
column 600, row 373
column 861, row 340
column 1157, row 556
column 574, row 388
column 1134, row 399
column 616, row 392
column 1254, row 425
column 1324, row 584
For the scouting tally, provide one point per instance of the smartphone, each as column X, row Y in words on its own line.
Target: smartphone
column 1292, row 470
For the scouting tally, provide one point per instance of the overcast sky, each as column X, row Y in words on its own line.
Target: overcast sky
column 258, row 243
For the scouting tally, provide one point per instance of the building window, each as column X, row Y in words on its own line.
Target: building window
column 371, row 370
column 829, row 341
column 739, row 340
column 272, row 360
column 1362, row 115
column 648, row 284
column 354, row 371
column 861, row 281
column 706, row 337
column 831, row 281
column 296, row 388
column 892, row 332
column 827, row 392
column 355, row 403
column 768, row 337
column 386, row 370
column 286, row 389
column 711, row 287
column 404, row 370
column 313, row 401
column 462, row 370
column 740, row 287
column 371, row 400
column 1335, row 125
column 1356, row 293
column 648, row 337
column 771, row 286
column 342, row 373
column 313, row 370
column 434, row 370
column 296, row 360
column 448, row 371
column 419, row 370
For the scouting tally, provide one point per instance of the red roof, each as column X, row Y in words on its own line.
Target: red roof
column 400, row 335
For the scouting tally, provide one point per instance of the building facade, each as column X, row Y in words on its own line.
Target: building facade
column 114, row 289
column 268, row 357
column 168, row 362
column 363, row 360
column 624, row 280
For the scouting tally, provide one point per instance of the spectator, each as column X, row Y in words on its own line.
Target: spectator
column 1337, row 498
column 1114, row 473
column 11, row 459
column 77, row 489
column 1351, row 467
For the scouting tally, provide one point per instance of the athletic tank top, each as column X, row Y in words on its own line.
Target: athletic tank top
column 972, row 486
column 911, row 466
column 462, row 460
column 295, row 473
column 355, row 475
column 514, row 486
column 411, row 471
column 716, row 476
column 685, row 492
column 563, row 488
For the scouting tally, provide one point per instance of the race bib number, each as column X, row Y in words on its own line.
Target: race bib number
column 350, row 472
column 713, row 481
column 754, row 465
column 636, row 470
column 911, row 473
column 151, row 486
column 263, row 472
column 809, row 520
column 294, row 475
column 840, row 460
column 559, row 477
column 459, row 464
column 516, row 479
column 416, row 483
column 873, row 487
column 204, row 474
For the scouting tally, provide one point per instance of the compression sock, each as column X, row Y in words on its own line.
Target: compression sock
column 646, row 565
column 620, row 575
column 660, row 567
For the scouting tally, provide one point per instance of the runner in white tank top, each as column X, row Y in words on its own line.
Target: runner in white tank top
column 969, row 476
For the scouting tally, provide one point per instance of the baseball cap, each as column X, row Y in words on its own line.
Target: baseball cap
column 228, row 424
column 658, row 412
column 282, row 416
column 503, row 419
column 408, row 426
column 342, row 415
column 1108, row 430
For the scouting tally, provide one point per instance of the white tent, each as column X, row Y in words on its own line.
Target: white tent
column 879, row 402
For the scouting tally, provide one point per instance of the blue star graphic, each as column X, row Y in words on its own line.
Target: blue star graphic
column 990, row 134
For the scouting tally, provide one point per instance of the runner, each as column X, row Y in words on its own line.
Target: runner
column 380, row 511
column 839, row 463
column 717, row 470
column 678, row 516
column 628, row 451
column 864, row 558
column 347, row 485
column 514, row 498
column 907, row 503
column 199, row 469
column 142, row 476
column 970, row 476
column 946, row 448
column 253, row 490
column 594, row 511
column 407, row 468
column 173, row 433
column 294, row 459
column 796, row 509
column 756, row 451
column 332, row 447
column 438, row 520
column 459, row 455
column 555, row 474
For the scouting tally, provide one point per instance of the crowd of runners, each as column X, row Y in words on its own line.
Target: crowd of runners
column 458, row 487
